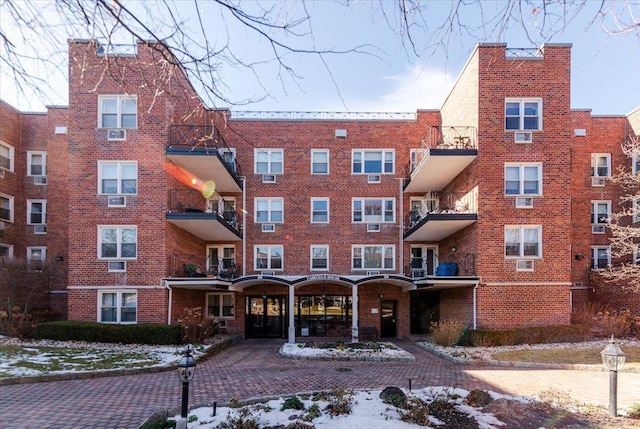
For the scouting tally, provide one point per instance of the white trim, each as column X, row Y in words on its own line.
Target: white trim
column 521, row 114
column 10, row 249
column 384, row 248
column 383, row 153
column 220, row 305
column 521, row 178
column 12, row 156
column 30, row 204
column 12, row 208
column 521, row 242
column 119, row 164
column 118, row 243
column 270, row 201
column 594, row 165
column 110, row 287
column 269, row 249
column 43, row 154
column 372, row 218
column 317, row 246
column 316, row 199
column 119, row 305
column 119, row 99
column 319, row 151
column 270, row 153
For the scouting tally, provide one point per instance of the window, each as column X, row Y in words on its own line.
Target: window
column 37, row 163
column 269, row 210
column 600, row 212
column 319, row 210
column 601, row 165
column 117, row 242
column 36, row 254
column 6, row 208
column 373, row 257
column 523, row 179
column 635, row 163
column 118, row 177
column 221, row 260
column 117, row 111
column 268, row 257
column 6, row 251
column 220, row 305
column 117, row 307
column 373, row 161
column 320, row 161
column 36, row 212
column 6, row 156
column 373, row 210
column 268, row 161
column 319, row 258
column 523, row 241
column 600, row 257
column 635, row 216
column 523, row 114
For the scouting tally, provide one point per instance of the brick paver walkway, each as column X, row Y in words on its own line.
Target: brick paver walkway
column 252, row 369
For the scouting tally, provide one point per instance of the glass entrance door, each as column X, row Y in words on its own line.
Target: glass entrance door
column 266, row 317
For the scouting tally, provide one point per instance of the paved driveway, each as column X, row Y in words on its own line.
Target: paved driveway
column 251, row 368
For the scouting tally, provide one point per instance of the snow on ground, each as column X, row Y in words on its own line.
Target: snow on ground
column 377, row 351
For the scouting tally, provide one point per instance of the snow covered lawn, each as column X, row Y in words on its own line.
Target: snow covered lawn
column 367, row 351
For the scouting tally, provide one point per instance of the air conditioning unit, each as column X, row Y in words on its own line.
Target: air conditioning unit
column 1, row 172
column 222, row 323
column 523, row 137
column 118, row 134
column 415, row 273
column 597, row 181
column 117, row 266
column 524, row 265
column 373, row 227
column 373, row 273
column 117, row 201
column 268, row 273
column 2, row 225
column 268, row 178
column 268, row 227
column 524, row 202
column 578, row 284
column 597, row 229
column 373, row 178
column 39, row 180
column 39, row 229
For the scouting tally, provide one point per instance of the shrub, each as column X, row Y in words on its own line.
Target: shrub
column 312, row 413
column 634, row 412
column 620, row 324
column 340, row 402
column 109, row 333
column 479, row 398
column 533, row 335
column 196, row 327
column 19, row 323
column 417, row 412
column 447, row 332
column 585, row 314
column 292, row 403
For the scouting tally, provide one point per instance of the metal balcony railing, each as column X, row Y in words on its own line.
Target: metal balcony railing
column 449, row 202
column 203, row 137
column 443, row 137
column 192, row 201
column 201, row 266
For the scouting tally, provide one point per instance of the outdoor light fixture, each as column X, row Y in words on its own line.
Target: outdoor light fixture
column 186, row 371
column 613, row 359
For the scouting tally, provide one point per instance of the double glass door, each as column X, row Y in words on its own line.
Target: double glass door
column 266, row 317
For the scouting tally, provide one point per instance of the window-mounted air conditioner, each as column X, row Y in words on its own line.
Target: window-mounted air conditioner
column 117, row 201
column 40, row 229
column 222, row 323
column 373, row 273
column 523, row 137
column 578, row 284
column 116, row 266
column 268, row 273
column 373, row 227
column 597, row 229
column 524, row 265
column 1, row 172
column 268, row 227
column 597, row 181
column 268, row 178
column 117, row 134
column 373, row 178
column 39, row 180
column 524, row 202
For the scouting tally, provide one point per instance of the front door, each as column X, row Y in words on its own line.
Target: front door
column 388, row 326
column 266, row 317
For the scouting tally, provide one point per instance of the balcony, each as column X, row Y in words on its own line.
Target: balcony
column 212, row 219
column 443, row 154
column 202, row 151
column 441, row 214
column 464, row 275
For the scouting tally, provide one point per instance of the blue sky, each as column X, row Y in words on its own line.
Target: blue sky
column 392, row 78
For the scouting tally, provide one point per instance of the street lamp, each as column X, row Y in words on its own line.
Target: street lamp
column 186, row 371
column 613, row 359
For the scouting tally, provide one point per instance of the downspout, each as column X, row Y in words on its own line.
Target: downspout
column 475, row 310
column 401, row 227
column 244, row 225
column 170, row 301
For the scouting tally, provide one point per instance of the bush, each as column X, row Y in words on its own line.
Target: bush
column 195, row 327
column 479, row 398
column 634, row 412
column 18, row 323
column 108, row 333
column 620, row 324
column 448, row 332
column 292, row 403
column 534, row 335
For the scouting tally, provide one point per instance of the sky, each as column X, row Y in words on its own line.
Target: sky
column 387, row 75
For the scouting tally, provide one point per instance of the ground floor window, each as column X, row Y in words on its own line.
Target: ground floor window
column 117, row 306
column 323, row 315
column 220, row 305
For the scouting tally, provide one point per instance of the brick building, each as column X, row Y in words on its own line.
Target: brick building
column 491, row 210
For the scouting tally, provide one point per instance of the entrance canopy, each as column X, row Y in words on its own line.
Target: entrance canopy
column 406, row 283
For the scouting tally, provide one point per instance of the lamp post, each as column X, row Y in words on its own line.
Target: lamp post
column 186, row 371
column 613, row 359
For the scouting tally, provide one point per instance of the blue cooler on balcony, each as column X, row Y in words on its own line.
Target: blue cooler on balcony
column 447, row 269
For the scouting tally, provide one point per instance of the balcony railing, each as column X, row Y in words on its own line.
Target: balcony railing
column 200, row 266
column 444, row 203
column 422, row 267
column 204, row 137
column 192, row 201
column 524, row 52
column 443, row 137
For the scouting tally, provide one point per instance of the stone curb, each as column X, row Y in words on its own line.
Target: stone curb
column 409, row 358
column 222, row 345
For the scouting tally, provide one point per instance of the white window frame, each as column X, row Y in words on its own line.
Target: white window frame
column 11, row 156
column 270, row 211
column 314, row 211
column 594, row 256
column 30, row 156
column 522, row 114
column 635, row 163
column 364, row 218
column 269, row 252
column 221, row 296
column 11, row 208
column 361, row 249
column 270, row 160
column 636, row 254
column 120, row 98
column 221, row 251
column 595, row 204
column 119, row 230
column 312, row 253
column 384, row 153
column 594, row 164
column 9, row 248
column 119, row 177
column 635, row 207
column 32, row 249
column 315, row 152
column 119, row 305
column 30, row 204
column 521, row 178
column 521, row 243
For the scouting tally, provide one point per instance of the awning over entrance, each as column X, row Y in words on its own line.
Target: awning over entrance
column 406, row 283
